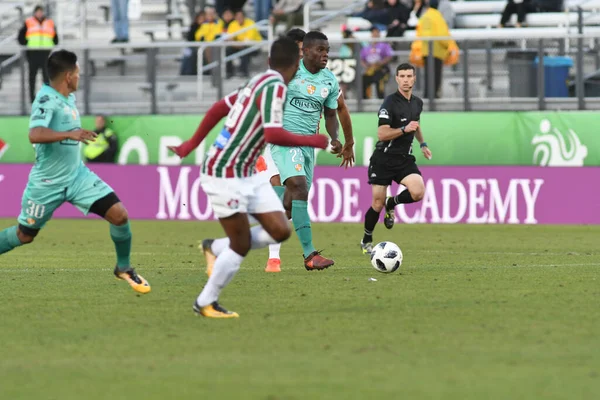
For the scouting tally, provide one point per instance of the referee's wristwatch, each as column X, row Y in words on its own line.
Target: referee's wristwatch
column 402, row 129
column 424, row 144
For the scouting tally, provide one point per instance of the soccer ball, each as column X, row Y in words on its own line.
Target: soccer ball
column 386, row 257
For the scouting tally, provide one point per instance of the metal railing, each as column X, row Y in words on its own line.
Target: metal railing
column 330, row 16
column 223, row 59
column 476, row 53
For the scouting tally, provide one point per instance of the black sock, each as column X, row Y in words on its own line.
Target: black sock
column 371, row 218
column 402, row 198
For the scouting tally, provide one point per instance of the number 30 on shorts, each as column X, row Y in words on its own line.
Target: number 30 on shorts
column 35, row 210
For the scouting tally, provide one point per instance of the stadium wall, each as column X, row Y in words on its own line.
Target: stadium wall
column 456, row 139
column 487, row 168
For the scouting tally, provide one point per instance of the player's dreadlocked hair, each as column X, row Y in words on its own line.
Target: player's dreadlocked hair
column 296, row 34
column 59, row 62
column 284, row 52
column 312, row 37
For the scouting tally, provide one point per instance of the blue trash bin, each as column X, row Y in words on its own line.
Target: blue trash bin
column 556, row 73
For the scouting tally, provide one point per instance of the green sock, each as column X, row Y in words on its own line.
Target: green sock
column 301, row 223
column 121, row 236
column 280, row 190
column 9, row 240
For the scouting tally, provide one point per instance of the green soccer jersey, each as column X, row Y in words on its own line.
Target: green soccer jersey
column 307, row 96
column 56, row 164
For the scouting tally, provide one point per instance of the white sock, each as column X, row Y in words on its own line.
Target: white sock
column 260, row 238
column 274, row 250
column 219, row 245
column 226, row 266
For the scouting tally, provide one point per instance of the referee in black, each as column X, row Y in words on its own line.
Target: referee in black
column 392, row 160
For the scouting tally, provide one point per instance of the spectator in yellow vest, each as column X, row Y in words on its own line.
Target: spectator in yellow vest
column 210, row 30
column 433, row 24
column 39, row 35
column 104, row 148
column 241, row 41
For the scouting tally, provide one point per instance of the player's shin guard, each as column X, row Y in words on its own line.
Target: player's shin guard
column 302, row 226
column 121, row 237
column 9, row 239
column 226, row 266
column 371, row 218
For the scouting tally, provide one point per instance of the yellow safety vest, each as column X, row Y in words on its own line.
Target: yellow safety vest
column 99, row 146
column 40, row 34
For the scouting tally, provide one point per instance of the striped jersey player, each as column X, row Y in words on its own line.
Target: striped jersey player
column 228, row 177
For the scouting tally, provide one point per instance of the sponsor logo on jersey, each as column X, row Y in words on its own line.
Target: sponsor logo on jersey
column 306, row 105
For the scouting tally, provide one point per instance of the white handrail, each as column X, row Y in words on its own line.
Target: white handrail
column 335, row 14
column 306, row 11
column 200, row 52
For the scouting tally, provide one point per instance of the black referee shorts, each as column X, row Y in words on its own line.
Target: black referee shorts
column 385, row 168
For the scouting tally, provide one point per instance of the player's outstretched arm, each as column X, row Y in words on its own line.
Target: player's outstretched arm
column 347, row 153
column 213, row 116
column 42, row 134
column 280, row 137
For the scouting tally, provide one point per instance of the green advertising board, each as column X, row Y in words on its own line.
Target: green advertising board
column 475, row 138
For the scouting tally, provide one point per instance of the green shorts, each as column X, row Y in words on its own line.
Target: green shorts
column 41, row 200
column 294, row 161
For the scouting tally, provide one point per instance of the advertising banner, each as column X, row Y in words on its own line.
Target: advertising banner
column 473, row 195
column 552, row 139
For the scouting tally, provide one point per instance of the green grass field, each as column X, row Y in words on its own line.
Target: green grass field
column 476, row 312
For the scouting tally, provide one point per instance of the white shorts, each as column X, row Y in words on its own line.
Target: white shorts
column 229, row 196
column 271, row 167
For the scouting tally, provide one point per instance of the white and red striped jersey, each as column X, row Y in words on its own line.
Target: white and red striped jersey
column 254, row 107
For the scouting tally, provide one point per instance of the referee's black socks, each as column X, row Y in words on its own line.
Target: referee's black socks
column 402, row 198
column 371, row 218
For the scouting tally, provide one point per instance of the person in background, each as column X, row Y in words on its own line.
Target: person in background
column 119, row 9
column 514, row 7
column 241, row 41
column 399, row 14
column 234, row 5
column 375, row 59
column 39, row 35
column 104, row 148
column 226, row 17
column 210, row 30
column 376, row 13
column 288, row 11
column 445, row 8
column 432, row 24
column 262, row 9
column 189, row 62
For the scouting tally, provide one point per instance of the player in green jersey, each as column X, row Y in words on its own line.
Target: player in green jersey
column 313, row 92
column 59, row 175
